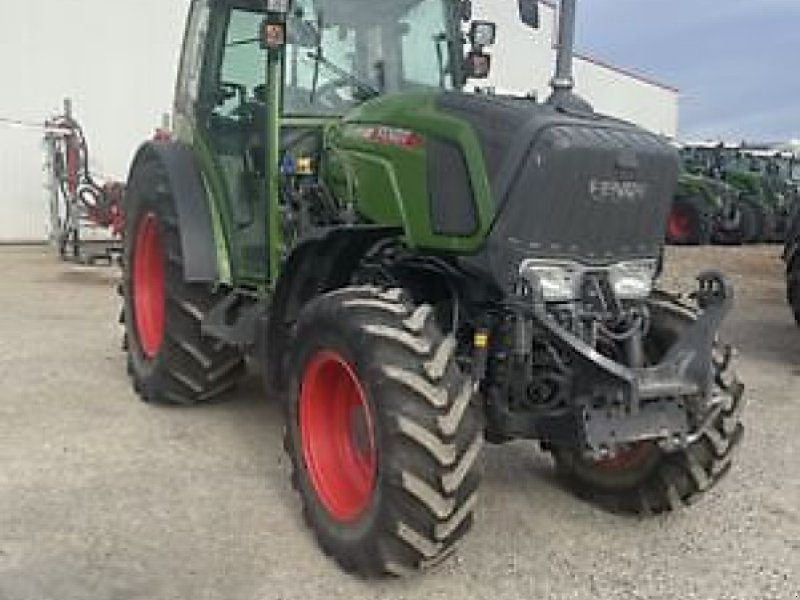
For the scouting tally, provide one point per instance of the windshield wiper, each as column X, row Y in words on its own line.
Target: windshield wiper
column 243, row 42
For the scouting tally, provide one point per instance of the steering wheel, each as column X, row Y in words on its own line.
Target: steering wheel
column 229, row 90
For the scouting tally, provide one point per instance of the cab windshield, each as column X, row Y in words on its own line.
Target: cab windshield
column 341, row 53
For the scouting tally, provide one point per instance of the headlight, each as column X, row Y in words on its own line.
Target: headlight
column 559, row 281
column 633, row 280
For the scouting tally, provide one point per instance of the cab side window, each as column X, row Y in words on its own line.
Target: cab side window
column 242, row 67
column 192, row 58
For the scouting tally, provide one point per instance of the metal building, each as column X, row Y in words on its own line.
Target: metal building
column 116, row 60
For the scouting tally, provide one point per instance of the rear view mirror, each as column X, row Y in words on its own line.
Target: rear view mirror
column 482, row 34
column 529, row 13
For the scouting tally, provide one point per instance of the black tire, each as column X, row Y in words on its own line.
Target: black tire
column 793, row 287
column 749, row 223
column 760, row 219
column 691, row 223
column 649, row 480
column 747, row 229
column 186, row 367
column 427, row 433
column 771, row 217
column 792, row 257
column 765, row 220
column 782, row 217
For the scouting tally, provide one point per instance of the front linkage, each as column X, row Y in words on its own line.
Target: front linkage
column 634, row 400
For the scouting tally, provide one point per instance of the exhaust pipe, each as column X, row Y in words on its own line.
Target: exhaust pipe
column 563, row 81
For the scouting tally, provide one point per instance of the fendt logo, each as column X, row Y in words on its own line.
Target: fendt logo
column 605, row 190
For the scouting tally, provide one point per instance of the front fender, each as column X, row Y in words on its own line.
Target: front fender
column 319, row 264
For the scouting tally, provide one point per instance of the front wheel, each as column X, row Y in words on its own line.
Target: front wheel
column 383, row 432
column 642, row 478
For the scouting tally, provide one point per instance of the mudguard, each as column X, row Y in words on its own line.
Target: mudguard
column 323, row 262
column 191, row 204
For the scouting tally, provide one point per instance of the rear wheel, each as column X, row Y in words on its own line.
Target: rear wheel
column 169, row 359
column 642, row 478
column 690, row 222
column 383, row 432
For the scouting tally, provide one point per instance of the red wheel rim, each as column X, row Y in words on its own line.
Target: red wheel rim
column 626, row 459
column 148, row 286
column 338, row 436
column 680, row 225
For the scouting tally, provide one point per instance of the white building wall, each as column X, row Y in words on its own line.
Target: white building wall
column 524, row 61
column 612, row 92
column 117, row 59
column 522, row 58
column 23, row 210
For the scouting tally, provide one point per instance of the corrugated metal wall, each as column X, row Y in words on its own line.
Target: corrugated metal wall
column 117, row 58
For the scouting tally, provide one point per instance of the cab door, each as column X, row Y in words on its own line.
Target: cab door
column 230, row 125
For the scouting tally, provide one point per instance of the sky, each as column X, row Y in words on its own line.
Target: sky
column 735, row 62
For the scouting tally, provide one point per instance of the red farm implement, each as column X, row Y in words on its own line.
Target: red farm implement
column 86, row 216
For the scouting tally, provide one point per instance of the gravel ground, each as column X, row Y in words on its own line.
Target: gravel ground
column 104, row 498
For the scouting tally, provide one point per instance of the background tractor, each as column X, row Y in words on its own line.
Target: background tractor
column 708, row 210
column 80, row 207
column 750, row 218
column 760, row 178
column 418, row 269
column 781, row 180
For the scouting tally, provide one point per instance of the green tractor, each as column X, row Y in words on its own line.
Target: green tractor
column 418, row 269
column 742, row 214
column 777, row 170
column 708, row 210
column 747, row 173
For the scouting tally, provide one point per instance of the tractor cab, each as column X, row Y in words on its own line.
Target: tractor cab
column 335, row 54
column 260, row 82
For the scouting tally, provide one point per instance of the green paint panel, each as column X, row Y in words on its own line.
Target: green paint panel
column 390, row 180
column 699, row 186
